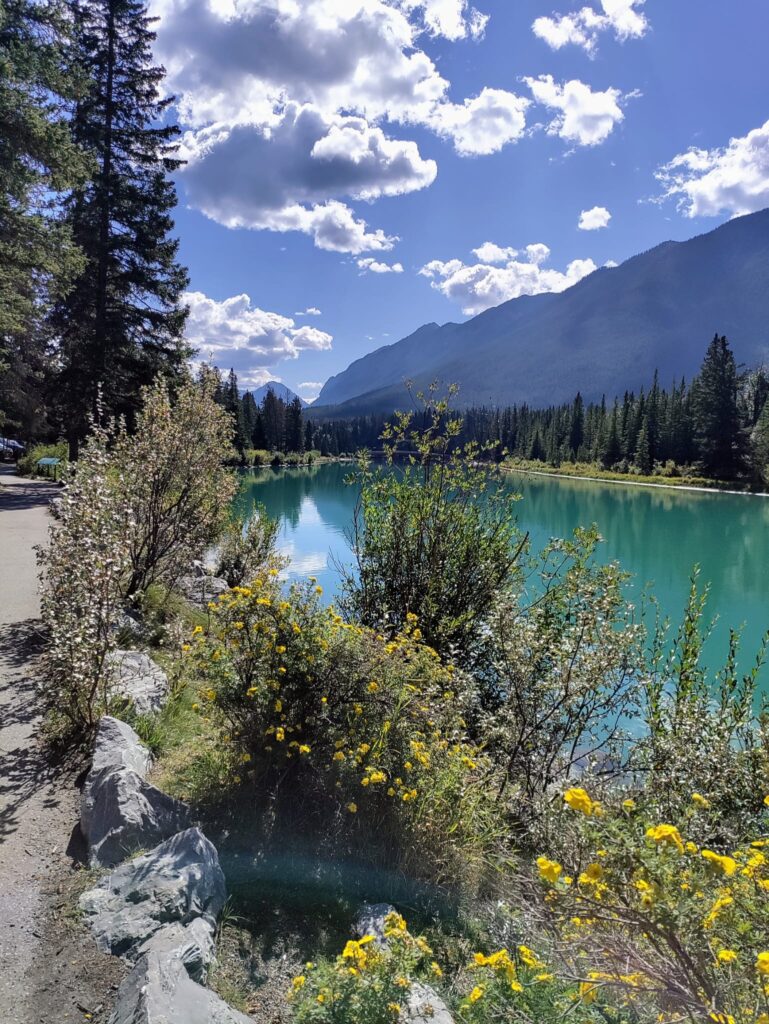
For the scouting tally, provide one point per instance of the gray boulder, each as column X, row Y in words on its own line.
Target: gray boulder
column 199, row 590
column 135, row 675
column 425, row 1006
column 371, row 921
column 117, row 746
column 192, row 944
column 121, row 813
column 177, row 882
column 159, row 991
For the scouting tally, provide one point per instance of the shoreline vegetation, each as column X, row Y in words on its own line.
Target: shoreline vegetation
column 596, row 474
column 442, row 740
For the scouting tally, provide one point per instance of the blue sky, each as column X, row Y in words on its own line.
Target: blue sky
column 359, row 167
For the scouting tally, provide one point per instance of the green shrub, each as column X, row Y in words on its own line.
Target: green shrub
column 654, row 919
column 247, row 549
column 371, row 726
column 435, row 537
column 26, row 465
column 258, row 457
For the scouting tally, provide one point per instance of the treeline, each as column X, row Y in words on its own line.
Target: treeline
column 273, row 425
column 90, row 283
column 716, row 426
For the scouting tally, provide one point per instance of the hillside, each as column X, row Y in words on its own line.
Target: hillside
column 608, row 333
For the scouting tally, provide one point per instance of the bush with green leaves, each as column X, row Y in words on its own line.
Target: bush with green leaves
column 562, row 679
column 654, row 920
column 26, row 465
column 370, row 982
column 137, row 509
column 247, row 549
column 433, row 535
column 82, row 569
column 705, row 732
column 370, row 725
column 170, row 478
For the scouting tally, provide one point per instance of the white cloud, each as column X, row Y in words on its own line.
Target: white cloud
column 584, row 26
column 310, row 311
column 478, row 286
column 233, row 333
column 288, row 177
column 245, row 73
column 481, row 125
column 370, row 265
column 586, row 117
column 310, row 389
column 733, row 179
column 490, row 252
column 594, row 219
column 453, row 19
column 611, row 263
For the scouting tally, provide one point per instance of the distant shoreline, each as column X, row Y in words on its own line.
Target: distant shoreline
column 629, row 481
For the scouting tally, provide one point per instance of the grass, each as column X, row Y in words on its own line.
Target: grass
column 589, row 470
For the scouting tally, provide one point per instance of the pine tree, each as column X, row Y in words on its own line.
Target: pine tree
column 718, row 431
column 123, row 321
column 643, row 455
column 38, row 160
column 308, row 437
column 274, row 420
column 294, row 432
column 759, row 448
column 577, row 426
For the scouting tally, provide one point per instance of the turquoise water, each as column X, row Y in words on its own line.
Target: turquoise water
column 656, row 534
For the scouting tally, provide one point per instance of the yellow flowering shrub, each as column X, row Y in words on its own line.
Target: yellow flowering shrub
column 655, row 920
column 370, row 724
column 517, row 985
column 368, row 983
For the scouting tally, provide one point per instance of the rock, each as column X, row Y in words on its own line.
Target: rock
column 117, row 746
column 193, row 945
column 120, row 813
column 371, row 921
column 200, row 590
column 425, row 1006
column 135, row 675
column 159, row 991
column 177, row 882
column 128, row 624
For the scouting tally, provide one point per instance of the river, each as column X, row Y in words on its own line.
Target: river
column 657, row 534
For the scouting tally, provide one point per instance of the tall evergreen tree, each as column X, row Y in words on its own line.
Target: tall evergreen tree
column 719, row 434
column 122, row 323
column 759, row 448
column 294, row 432
column 38, row 161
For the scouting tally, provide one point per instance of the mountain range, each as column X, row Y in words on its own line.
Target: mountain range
column 606, row 334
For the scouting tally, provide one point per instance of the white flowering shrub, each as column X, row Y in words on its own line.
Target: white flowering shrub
column 171, row 481
column 82, row 570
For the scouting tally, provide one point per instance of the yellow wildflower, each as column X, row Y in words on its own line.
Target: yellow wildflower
column 726, row 864
column 762, row 964
column 726, row 956
column 578, row 799
column 352, row 808
column 666, row 835
column 550, row 870
column 476, row 994
column 700, row 800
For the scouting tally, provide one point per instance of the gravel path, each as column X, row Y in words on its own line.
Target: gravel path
column 49, row 972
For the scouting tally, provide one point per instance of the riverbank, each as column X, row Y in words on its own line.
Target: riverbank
column 50, row 971
column 700, row 484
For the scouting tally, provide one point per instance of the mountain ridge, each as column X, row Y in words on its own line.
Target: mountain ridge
column 604, row 335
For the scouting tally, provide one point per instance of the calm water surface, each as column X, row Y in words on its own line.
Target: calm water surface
column 657, row 535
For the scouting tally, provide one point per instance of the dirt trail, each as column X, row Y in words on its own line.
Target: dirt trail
column 49, row 972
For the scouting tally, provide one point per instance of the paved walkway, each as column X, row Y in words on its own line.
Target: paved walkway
column 28, row 800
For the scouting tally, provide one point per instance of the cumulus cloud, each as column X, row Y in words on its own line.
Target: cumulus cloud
column 233, row 333
column 586, row 117
column 452, row 19
column 372, row 266
column 480, row 285
column 310, row 311
column 242, row 70
column 594, row 219
column 482, row 125
column 733, row 179
column 310, row 389
column 289, row 177
column 582, row 28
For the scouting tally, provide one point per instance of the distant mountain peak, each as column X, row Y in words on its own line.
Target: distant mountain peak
column 604, row 335
column 280, row 390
